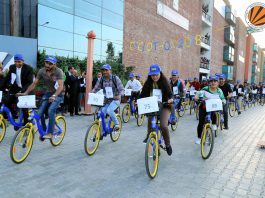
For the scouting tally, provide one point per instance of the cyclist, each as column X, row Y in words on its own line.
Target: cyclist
column 227, row 91
column 52, row 77
column 18, row 79
column 157, row 80
column 113, row 90
column 135, row 85
column 239, row 95
column 177, row 89
column 204, row 82
column 196, row 84
column 138, row 77
column 206, row 93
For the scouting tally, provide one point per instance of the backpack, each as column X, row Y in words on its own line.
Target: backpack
column 114, row 80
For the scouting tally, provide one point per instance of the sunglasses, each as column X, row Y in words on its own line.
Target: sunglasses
column 155, row 75
column 48, row 63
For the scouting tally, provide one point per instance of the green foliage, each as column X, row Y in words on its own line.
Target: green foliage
column 118, row 68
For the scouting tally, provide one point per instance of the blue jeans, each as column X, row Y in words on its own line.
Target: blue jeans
column 110, row 108
column 51, row 111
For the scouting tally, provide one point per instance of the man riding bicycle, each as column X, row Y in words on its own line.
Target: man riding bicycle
column 113, row 90
column 52, row 77
column 135, row 85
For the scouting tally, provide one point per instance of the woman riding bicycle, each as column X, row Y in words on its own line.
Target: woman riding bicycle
column 157, row 80
column 206, row 93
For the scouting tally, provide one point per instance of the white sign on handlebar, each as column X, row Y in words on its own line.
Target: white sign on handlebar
column 95, row 99
column 147, row 105
column 214, row 105
column 27, row 101
column 128, row 92
column 1, row 95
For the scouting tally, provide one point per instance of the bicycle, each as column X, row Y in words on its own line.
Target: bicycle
column 25, row 136
column 233, row 106
column 94, row 135
column 194, row 106
column 131, row 109
column 154, row 142
column 219, row 121
column 181, row 111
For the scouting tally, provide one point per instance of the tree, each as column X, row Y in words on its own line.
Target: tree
column 110, row 51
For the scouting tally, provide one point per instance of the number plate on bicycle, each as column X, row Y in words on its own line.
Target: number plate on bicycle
column 128, row 92
column 147, row 105
column 95, row 99
column 27, row 101
column 214, row 105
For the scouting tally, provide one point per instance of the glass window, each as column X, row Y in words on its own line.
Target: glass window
column 80, row 44
column 96, row 2
column 114, row 5
column 83, row 26
column 63, row 5
column 56, row 52
column 57, row 19
column 84, row 55
column 87, row 10
column 52, row 38
column 111, row 34
column 112, row 19
column 117, row 48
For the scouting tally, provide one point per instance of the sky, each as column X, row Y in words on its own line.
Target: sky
column 241, row 6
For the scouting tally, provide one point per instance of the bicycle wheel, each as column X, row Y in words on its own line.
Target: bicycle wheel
column 175, row 126
column 2, row 128
column 262, row 101
column 140, row 119
column 21, row 145
column 114, row 135
column 207, row 142
column 187, row 103
column 92, row 138
column 126, row 113
column 182, row 110
column 151, row 155
column 232, row 109
column 59, row 132
column 191, row 106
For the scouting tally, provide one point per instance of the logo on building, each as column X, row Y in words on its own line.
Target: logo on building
column 255, row 17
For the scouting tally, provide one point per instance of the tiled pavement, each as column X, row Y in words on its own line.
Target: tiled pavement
column 236, row 167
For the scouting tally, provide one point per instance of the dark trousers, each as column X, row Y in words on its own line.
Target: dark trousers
column 202, row 115
column 225, row 112
column 73, row 103
column 163, row 125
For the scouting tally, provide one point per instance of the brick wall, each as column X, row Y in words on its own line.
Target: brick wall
column 143, row 24
column 240, row 49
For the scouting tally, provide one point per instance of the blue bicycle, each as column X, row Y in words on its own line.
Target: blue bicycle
column 182, row 109
column 131, row 109
column 194, row 106
column 23, row 140
column 233, row 106
column 99, row 129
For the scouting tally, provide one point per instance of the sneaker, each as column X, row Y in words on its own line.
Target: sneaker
column 48, row 136
column 174, row 121
column 145, row 140
column 214, row 127
column 198, row 141
column 116, row 127
column 169, row 150
column 239, row 112
column 226, row 128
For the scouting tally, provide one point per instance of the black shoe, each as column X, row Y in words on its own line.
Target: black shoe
column 116, row 128
column 239, row 112
column 226, row 128
column 174, row 121
column 101, row 137
column 71, row 114
column 78, row 114
column 145, row 140
column 169, row 150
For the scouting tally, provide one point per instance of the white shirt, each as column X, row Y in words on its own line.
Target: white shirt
column 18, row 78
column 135, row 85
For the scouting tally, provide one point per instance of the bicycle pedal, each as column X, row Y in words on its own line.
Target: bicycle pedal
column 162, row 147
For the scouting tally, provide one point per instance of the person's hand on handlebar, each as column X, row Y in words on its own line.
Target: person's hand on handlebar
column 170, row 101
column 21, row 94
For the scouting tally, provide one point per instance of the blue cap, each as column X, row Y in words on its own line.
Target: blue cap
column 106, row 66
column 195, row 78
column 138, row 75
column 154, row 70
column 174, row 72
column 131, row 75
column 51, row 59
column 214, row 78
column 238, row 81
column 223, row 76
column 18, row 57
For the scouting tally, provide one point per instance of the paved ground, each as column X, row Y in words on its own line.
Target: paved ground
column 235, row 169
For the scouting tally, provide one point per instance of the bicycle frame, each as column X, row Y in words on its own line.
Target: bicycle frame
column 132, row 107
column 156, row 128
column 107, row 129
column 35, row 118
column 10, row 117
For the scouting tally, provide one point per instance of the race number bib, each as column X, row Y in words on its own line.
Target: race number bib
column 1, row 95
column 175, row 90
column 240, row 90
column 234, row 94
column 255, row 91
column 27, row 101
column 128, row 92
column 147, row 105
column 193, row 92
column 95, row 99
column 56, row 86
column 263, row 91
column 214, row 105
column 158, row 94
column 109, row 92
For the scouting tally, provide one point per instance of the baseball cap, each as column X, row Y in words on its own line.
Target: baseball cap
column 18, row 57
column 131, row 75
column 154, row 69
column 106, row 66
column 174, row 72
column 214, row 78
column 51, row 59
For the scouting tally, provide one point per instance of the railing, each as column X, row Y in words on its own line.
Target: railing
column 206, row 16
column 205, row 40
